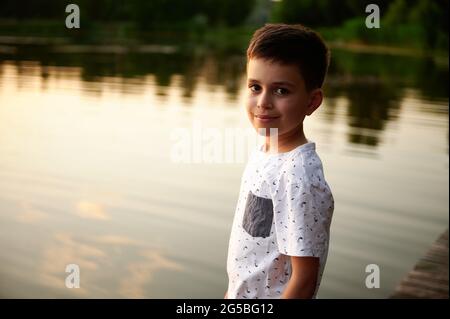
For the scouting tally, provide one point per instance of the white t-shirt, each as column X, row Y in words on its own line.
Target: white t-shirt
column 284, row 209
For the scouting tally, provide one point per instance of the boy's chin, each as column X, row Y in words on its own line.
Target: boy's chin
column 266, row 131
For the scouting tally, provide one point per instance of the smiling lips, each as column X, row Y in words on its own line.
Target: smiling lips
column 266, row 118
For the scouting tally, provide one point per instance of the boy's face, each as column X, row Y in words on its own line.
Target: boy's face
column 277, row 96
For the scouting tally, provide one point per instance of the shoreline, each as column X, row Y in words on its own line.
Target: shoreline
column 9, row 42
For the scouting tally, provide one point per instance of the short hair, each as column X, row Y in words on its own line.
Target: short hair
column 292, row 44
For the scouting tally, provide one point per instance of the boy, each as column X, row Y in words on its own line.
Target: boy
column 280, row 234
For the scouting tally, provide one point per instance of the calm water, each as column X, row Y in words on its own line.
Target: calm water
column 87, row 176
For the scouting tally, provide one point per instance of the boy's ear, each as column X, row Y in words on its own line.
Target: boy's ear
column 315, row 99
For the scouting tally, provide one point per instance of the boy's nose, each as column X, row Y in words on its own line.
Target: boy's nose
column 265, row 101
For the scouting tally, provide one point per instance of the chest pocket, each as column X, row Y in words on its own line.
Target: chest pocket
column 258, row 216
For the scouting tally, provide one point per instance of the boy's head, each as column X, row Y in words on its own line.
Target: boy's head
column 286, row 68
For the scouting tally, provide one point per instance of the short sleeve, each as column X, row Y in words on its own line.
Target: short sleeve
column 302, row 217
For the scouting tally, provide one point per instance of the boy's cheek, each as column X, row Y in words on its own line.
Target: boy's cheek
column 250, row 115
column 251, row 102
column 250, row 110
column 294, row 109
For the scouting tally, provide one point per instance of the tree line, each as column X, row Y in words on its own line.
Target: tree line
column 145, row 13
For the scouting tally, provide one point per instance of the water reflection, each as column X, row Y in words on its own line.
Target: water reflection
column 100, row 258
column 30, row 215
column 374, row 87
column 372, row 84
column 128, row 72
column 90, row 210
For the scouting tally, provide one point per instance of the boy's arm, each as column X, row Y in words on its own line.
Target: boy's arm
column 226, row 295
column 302, row 283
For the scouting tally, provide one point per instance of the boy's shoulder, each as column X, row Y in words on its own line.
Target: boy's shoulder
column 301, row 167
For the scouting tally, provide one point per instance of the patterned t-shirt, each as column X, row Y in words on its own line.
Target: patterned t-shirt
column 284, row 209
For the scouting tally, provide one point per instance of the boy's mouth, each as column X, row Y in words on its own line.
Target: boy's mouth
column 265, row 118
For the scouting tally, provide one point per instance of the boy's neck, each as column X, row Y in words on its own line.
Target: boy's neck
column 286, row 142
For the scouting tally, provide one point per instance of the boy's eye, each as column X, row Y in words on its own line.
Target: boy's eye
column 281, row 91
column 254, row 87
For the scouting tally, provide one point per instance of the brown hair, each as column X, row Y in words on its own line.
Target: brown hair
column 292, row 44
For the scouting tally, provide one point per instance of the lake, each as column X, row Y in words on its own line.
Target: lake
column 88, row 174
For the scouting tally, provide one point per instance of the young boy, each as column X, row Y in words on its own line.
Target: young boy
column 279, row 239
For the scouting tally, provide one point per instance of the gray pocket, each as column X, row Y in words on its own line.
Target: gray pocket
column 258, row 216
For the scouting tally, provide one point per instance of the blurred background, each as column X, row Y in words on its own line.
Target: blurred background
column 87, row 115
